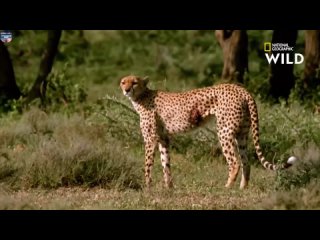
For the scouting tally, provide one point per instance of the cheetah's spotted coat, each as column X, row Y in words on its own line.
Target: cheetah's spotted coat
column 163, row 114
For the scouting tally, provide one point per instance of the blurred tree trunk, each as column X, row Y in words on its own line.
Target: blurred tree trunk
column 234, row 44
column 311, row 78
column 38, row 89
column 282, row 79
column 8, row 86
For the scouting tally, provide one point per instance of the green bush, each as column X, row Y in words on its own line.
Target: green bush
column 309, row 97
column 303, row 198
column 306, row 169
column 63, row 92
column 53, row 151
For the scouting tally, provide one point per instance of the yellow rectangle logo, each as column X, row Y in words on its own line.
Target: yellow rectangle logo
column 267, row 46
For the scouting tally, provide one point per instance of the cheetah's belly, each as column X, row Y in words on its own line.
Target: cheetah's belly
column 175, row 119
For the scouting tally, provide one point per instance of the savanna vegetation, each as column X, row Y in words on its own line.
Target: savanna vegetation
column 69, row 139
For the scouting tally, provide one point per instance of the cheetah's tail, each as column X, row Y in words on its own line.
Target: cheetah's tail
column 252, row 107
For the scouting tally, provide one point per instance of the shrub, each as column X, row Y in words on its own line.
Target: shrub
column 49, row 151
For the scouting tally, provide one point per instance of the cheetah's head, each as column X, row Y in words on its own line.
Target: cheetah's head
column 133, row 86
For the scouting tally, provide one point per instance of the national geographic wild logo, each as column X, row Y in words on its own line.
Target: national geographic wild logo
column 283, row 56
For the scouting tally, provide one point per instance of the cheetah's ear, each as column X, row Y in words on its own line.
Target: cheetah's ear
column 145, row 80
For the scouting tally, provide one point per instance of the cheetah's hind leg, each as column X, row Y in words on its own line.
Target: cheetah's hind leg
column 230, row 152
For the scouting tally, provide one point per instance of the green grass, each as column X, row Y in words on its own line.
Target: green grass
column 53, row 151
column 55, row 156
column 87, row 152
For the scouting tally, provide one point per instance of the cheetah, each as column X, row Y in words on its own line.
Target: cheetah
column 163, row 114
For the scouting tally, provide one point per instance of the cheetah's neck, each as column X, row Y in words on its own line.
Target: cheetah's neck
column 141, row 99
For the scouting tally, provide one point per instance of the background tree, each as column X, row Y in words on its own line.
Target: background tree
column 281, row 77
column 39, row 87
column 311, row 76
column 234, row 44
column 8, row 86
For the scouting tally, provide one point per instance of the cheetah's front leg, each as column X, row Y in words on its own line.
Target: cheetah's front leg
column 149, row 159
column 165, row 161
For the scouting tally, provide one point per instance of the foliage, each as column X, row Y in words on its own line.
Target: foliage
column 89, row 136
column 305, row 170
column 63, row 91
column 309, row 97
column 51, row 151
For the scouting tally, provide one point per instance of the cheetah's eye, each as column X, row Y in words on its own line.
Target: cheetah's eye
column 134, row 83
